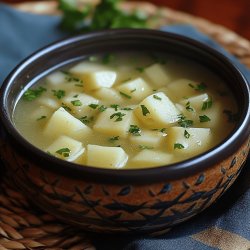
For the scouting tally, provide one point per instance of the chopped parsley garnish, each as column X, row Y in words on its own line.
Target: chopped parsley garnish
column 188, row 107
column 108, row 58
column 31, row 94
column 144, row 110
column 133, row 90
column 76, row 103
column 71, row 78
column 114, row 138
column 115, row 106
column 231, row 117
column 157, row 97
column 41, row 117
column 67, row 108
column 102, row 108
column 93, row 105
column 183, row 122
column 145, row 147
column 125, row 95
column 178, row 146
column 75, row 96
column 85, row 119
column 64, row 152
column 199, row 87
column 134, row 130
column 126, row 108
column 119, row 116
column 204, row 118
column 186, row 134
column 59, row 93
column 207, row 104
column 140, row 69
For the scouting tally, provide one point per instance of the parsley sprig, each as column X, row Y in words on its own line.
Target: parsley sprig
column 31, row 94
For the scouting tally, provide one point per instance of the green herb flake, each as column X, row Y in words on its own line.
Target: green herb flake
column 145, row 147
column 204, row 118
column 140, row 69
column 113, row 139
column 188, row 107
column 67, row 108
column 178, row 146
column 64, row 152
column 115, row 106
column 125, row 95
column 186, row 134
column 134, row 130
column 184, row 122
column 75, row 96
column 31, row 94
column 119, row 116
column 231, row 117
column 93, row 105
column 71, row 78
column 144, row 110
column 78, row 85
column 157, row 97
column 58, row 93
column 133, row 90
column 207, row 104
column 102, row 108
column 85, row 119
column 41, row 118
column 199, row 87
column 76, row 103
column 108, row 58
column 126, row 108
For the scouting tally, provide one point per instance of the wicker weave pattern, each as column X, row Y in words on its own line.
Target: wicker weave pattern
column 23, row 226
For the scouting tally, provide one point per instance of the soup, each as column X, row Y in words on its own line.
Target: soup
column 124, row 111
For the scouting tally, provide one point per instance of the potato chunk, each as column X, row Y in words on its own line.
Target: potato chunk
column 66, row 148
column 94, row 77
column 137, row 88
column 108, row 95
column 157, row 111
column 188, row 140
column 111, row 122
column 195, row 102
column 106, row 157
column 157, row 75
column 148, row 138
column 151, row 158
column 79, row 103
column 63, row 123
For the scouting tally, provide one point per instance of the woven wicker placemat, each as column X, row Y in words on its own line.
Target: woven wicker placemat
column 24, row 226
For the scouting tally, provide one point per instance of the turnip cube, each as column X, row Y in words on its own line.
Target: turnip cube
column 157, row 111
column 106, row 157
column 56, row 78
column 63, row 123
column 66, row 148
column 188, row 140
column 109, row 95
column 157, row 75
column 136, row 88
column 195, row 102
column 151, row 158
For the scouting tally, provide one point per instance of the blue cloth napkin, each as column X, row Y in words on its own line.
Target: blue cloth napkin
column 225, row 225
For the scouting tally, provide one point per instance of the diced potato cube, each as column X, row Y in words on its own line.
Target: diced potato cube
column 94, row 77
column 109, row 95
column 106, row 157
column 148, row 138
column 182, row 88
column 188, row 140
column 111, row 122
column 137, row 88
column 63, row 123
column 195, row 102
column 56, row 78
column 157, row 75
column 151, row 158
column 79, row 104
column 66, row 148
column 157, row 111
column 48, row 102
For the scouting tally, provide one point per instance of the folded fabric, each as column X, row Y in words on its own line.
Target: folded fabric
column 226, row 225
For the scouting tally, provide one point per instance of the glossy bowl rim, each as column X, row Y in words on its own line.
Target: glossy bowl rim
column 172, row 171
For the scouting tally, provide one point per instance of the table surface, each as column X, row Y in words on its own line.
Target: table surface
column 229, row 13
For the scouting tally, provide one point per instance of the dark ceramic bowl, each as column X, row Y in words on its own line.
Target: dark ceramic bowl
column 123, row 201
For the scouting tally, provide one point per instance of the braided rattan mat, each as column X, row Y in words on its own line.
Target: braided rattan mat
column 23, row 226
